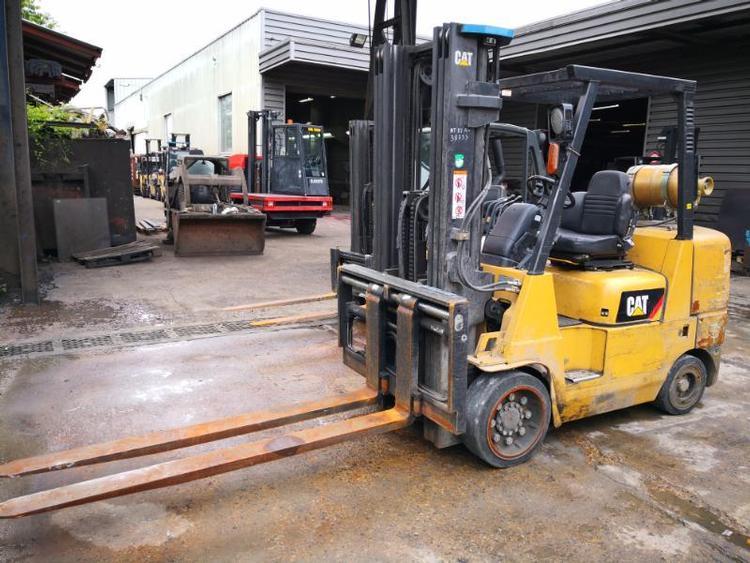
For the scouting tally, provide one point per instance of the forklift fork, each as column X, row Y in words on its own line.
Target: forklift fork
column 203, row 465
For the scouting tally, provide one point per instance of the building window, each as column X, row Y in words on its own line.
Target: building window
column 225, row 123
column 168, row 127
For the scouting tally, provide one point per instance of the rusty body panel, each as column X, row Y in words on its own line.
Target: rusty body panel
column 205, row 465
column 202, row 234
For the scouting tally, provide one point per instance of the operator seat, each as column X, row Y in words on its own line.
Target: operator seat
column 512, row 236
column 600, row 224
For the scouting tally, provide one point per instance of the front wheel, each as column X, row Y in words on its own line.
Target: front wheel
column 507, row 417
column 683, row 387
column 305, row 226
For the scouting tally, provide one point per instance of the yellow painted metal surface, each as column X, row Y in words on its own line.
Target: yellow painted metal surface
column 628, row 362
column 595, row 296
column 583, row 347
column 655, row 185
column 711, row 271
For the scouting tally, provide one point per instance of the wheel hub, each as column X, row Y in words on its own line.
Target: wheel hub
column 508, row 424
column 683, row 384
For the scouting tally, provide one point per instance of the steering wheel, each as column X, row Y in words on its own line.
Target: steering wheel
column 540, row 186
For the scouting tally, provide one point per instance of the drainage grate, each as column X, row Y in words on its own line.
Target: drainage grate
column 88, row 342
column 131, row 337
column 236, row 325
column 196, row 330
column 103, row 341
column 24, row 349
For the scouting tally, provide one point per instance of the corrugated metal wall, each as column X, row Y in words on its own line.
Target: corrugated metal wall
column 274, row 94
column 279, row 27
column 722, row 114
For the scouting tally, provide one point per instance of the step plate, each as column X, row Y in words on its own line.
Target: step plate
column 581, row 375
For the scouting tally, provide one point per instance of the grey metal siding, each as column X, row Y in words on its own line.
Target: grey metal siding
column 314, row 52
column 723, row 116
column 279, row 27
column 274, row 95
column 613, row 19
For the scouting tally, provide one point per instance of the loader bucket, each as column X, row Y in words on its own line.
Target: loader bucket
column 206, row 234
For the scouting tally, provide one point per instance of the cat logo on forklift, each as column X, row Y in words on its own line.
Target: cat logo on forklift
column 463, row 58
column 640, row 305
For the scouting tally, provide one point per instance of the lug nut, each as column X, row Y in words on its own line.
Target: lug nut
column 524, row 400
column 508, row 441
column 522, row 431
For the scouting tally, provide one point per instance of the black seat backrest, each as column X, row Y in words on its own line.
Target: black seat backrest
column 512, row 236
column 607, row 206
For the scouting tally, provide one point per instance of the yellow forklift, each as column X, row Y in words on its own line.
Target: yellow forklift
column 566, row 308
column 151, row 178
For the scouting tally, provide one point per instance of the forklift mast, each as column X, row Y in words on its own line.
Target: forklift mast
column 435, row 99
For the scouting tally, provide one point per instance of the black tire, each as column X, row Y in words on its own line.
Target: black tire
column 508, row 398
column 684, row 386
column 305, row 226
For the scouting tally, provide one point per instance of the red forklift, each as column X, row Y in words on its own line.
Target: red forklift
column 290, row 185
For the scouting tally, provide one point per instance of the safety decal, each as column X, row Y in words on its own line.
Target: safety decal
column 458, row 204
column 640, row 305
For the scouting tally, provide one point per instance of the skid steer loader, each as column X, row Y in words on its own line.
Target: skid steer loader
column 566, row 309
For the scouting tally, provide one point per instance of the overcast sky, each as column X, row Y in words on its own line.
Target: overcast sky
column 142, row 38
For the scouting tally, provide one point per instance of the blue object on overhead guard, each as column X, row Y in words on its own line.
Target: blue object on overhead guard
column 487, row 31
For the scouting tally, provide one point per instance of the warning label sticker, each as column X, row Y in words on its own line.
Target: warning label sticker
column 459, row 194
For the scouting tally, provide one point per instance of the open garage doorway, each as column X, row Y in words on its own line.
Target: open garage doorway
column 333, row 113
column 615, row 139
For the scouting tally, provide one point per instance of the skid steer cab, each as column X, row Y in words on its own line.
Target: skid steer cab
column 486, row 314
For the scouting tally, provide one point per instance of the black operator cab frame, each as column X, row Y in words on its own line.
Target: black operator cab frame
column 582, row 86
column 293, row 156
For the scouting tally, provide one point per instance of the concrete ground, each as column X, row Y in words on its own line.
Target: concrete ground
column 632, row 485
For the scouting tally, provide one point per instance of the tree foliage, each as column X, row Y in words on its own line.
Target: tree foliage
column 48, row 143
column 31, row 11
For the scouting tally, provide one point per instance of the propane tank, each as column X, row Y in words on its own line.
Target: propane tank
column 655, row 185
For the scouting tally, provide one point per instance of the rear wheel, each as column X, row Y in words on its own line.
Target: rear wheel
column 305, row 226
column 507, row 418
column 683, row 387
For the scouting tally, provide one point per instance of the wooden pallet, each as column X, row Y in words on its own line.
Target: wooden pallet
column 138, row 251
column 149, row 227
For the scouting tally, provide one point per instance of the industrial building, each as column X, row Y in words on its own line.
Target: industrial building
column 706, row 41
column 306, row 69
column 302, row 67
